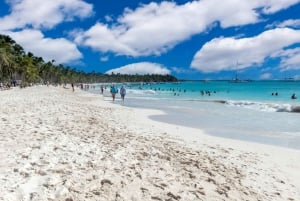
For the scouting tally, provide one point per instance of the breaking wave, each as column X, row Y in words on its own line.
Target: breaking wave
column 267, row 107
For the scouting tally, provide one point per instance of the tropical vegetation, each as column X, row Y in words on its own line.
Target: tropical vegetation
column 16, row 64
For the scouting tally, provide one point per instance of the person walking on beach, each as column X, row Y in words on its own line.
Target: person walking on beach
column 72, row 84
column 123, row 93
column 113, row 92
column 102, row 89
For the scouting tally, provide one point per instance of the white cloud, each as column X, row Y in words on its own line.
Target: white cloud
column 141, row 68
column 265, row 76
column 290, row 23
column 43, row 14
column 272, row 6
column 297, row 77
column 290, row 58
column 104, row 59
column 59, row 49
column 27, row 16
column 155, row 28
column 224, row 53
column 108, row 18
column 179, row 70
column 100, row 38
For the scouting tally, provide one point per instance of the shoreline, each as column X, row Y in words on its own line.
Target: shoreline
column 225, row 121
column 59, row 144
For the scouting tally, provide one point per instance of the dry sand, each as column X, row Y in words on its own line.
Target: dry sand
column 60, row 145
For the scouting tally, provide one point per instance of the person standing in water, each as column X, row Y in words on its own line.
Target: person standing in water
column 123, row 93
column 113, row 92
column 102, row 89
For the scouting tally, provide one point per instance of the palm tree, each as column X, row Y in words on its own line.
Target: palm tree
column 14, row 61
column 6, row 62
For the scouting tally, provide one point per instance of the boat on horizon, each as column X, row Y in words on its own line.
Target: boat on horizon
column 289, row 79
column 237, row 80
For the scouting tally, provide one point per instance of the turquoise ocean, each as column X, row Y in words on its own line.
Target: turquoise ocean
column 257, row 111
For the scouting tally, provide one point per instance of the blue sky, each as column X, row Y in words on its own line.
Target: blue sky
column 207, row 39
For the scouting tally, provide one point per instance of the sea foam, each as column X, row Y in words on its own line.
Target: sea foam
column 264, row 106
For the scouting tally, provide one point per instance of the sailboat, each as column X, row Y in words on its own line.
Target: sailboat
column 288, row 79
column 236, row 79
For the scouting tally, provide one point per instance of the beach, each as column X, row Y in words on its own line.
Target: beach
column 56, row 144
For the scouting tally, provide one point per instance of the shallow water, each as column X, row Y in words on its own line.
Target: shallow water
column 282, row 129
column 244, row 111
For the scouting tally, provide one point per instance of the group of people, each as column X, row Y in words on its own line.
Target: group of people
column 293, row 96
column 114, row 91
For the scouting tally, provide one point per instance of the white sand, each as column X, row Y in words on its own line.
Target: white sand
column 60, row 145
